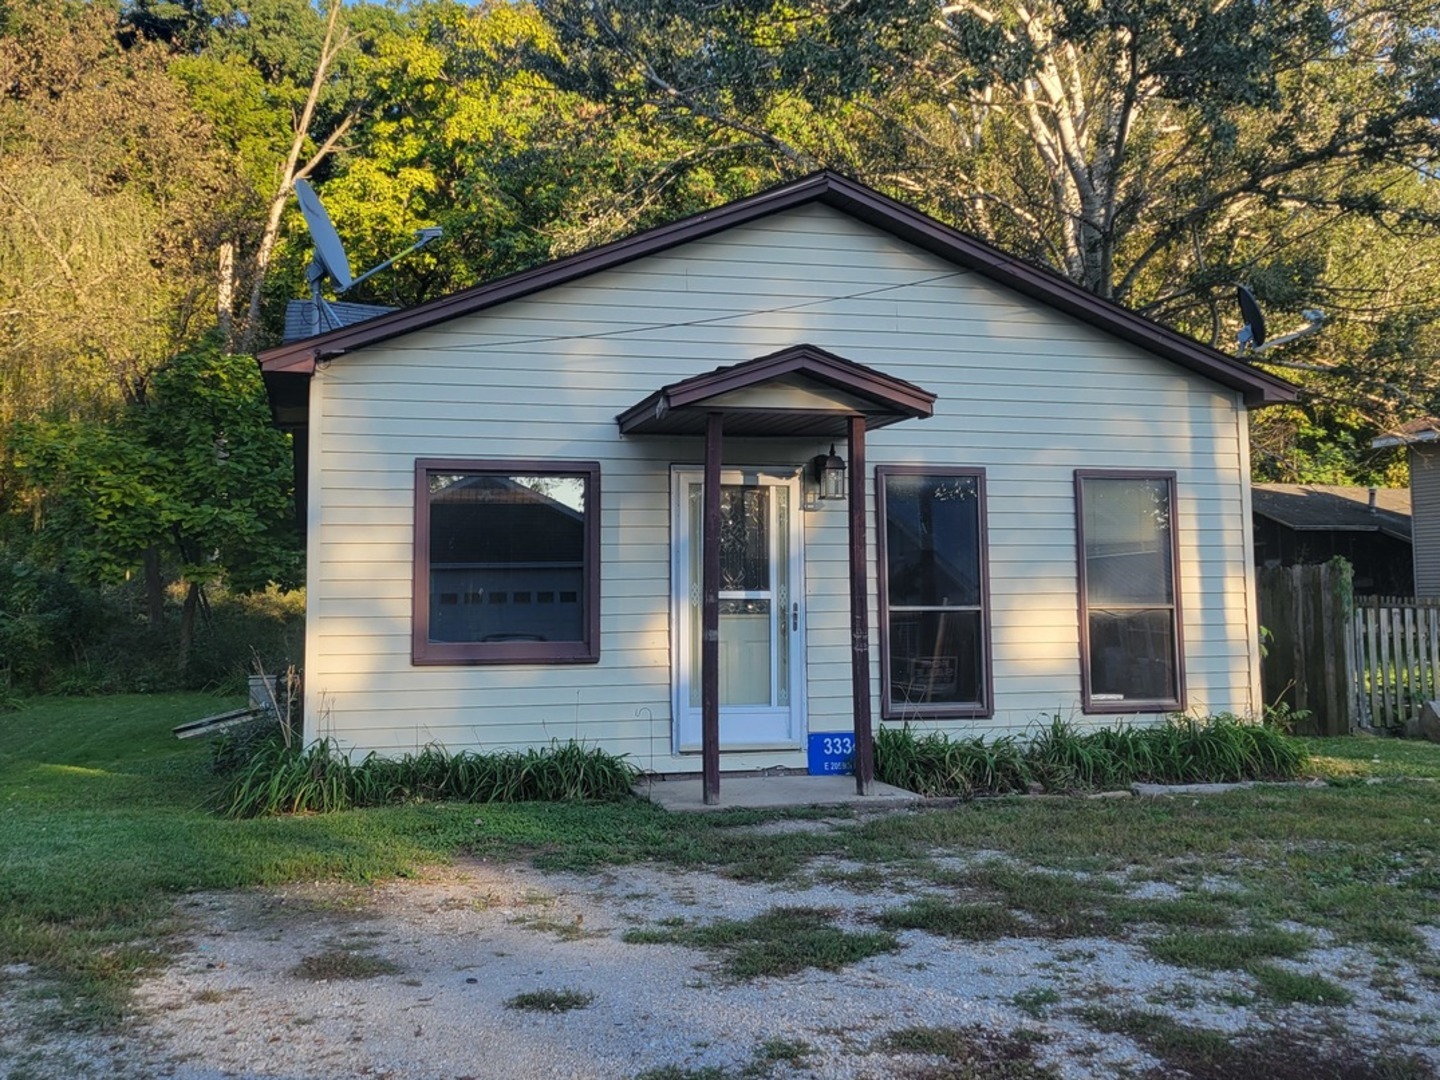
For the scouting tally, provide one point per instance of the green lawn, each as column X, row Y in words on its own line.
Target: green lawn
column 105, row 818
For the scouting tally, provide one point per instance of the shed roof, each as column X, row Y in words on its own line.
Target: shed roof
column 1426, row 429
column 1331, row 508
column 283, row 363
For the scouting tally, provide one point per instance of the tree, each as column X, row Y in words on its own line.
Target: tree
column 107, row 180
column 194, row 467
column 1154, row 151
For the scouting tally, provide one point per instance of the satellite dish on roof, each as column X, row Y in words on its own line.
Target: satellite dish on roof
column 331, row 261
column 1253, row 334
column 330, row 258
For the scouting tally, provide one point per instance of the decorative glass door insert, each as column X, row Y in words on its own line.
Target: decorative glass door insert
column 759, row 611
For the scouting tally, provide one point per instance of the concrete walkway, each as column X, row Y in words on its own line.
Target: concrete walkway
column 772, row 793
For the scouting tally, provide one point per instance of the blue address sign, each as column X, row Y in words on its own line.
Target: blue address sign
column 832, row 753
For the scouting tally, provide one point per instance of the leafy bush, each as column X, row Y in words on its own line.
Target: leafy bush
column 1184, row 750
column 44, row 620
column 57, row 637
column 320, row 778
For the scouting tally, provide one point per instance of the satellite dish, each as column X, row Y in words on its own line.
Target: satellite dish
column 1253, row 332
column 330, row 258
column 331, row 261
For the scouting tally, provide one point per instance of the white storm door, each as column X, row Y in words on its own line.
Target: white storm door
column 761, row 584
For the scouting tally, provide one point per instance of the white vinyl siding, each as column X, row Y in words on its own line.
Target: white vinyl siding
column 1024, row 393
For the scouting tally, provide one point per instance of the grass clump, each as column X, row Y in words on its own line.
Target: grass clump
column 1298, row 987
column 1035, row 1002
column 969, row 922
column 321, row 779
column 778, row 942
column 1226, row 950
column 1185, row 750
column 793, row 1051
column 335, row 964
column 554, row 1001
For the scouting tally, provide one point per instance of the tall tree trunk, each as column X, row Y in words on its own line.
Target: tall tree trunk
column 292, row 170
column 225, row 292
column 187, row 625
column 154, row 587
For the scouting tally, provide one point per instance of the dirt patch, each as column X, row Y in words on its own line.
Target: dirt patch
column 418, row 979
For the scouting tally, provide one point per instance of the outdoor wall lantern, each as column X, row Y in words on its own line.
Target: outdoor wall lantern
column 829, row 475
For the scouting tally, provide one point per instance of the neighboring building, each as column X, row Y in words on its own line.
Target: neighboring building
column 1052, row 513
column 1299, row 524
column 1422, row 438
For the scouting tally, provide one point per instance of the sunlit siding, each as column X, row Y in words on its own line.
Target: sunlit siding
column 1023, row 392
column 1425, row 510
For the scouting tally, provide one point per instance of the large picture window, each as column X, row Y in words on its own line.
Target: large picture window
column 934, row 604
column 1129, row 599
column 507, row 558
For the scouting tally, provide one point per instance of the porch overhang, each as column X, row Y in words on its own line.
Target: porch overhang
column 803, row 391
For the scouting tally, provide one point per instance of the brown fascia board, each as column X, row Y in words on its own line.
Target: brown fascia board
column 811, row 360
column 861, row 202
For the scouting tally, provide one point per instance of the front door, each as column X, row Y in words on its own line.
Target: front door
column 761, row 585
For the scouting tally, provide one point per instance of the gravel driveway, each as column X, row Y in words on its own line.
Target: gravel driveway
column 411, row 979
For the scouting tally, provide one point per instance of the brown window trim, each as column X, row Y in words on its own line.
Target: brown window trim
column 423, row 651
column 984, row 708
column 1176, row 704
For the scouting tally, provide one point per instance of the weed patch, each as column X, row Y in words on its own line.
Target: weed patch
column 336, row 964
column 1205, row 1054
column 970, row 1053
column 779, row 942
column 554, row 1001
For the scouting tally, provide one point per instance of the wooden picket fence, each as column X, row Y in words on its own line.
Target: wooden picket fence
column 1395, row 660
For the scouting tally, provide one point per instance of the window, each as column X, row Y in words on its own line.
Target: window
column 501, row 534
column 934, row 602
column 1129, row 603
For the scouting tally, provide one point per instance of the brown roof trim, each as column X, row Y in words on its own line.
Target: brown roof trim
column 895, row 398
column 850, row 197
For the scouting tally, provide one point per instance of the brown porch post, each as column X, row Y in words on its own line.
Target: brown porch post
column 710, row 612
column 859, row 613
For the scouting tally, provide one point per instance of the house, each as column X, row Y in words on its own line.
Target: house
column 1297, row 524
column 1421, row 438
column 807, row 462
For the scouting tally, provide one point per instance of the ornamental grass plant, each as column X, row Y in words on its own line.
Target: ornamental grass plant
column 1184, row 750
column 321, row 778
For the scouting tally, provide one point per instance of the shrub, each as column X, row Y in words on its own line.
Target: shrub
column 321, row 779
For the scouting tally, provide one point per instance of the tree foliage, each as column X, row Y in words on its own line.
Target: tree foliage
column 108, row 185
column 1155, row 151
column 194, row 466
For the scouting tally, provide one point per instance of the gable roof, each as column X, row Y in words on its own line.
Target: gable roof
column 1332, row 508
column 830, row 390
column 828, row 189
